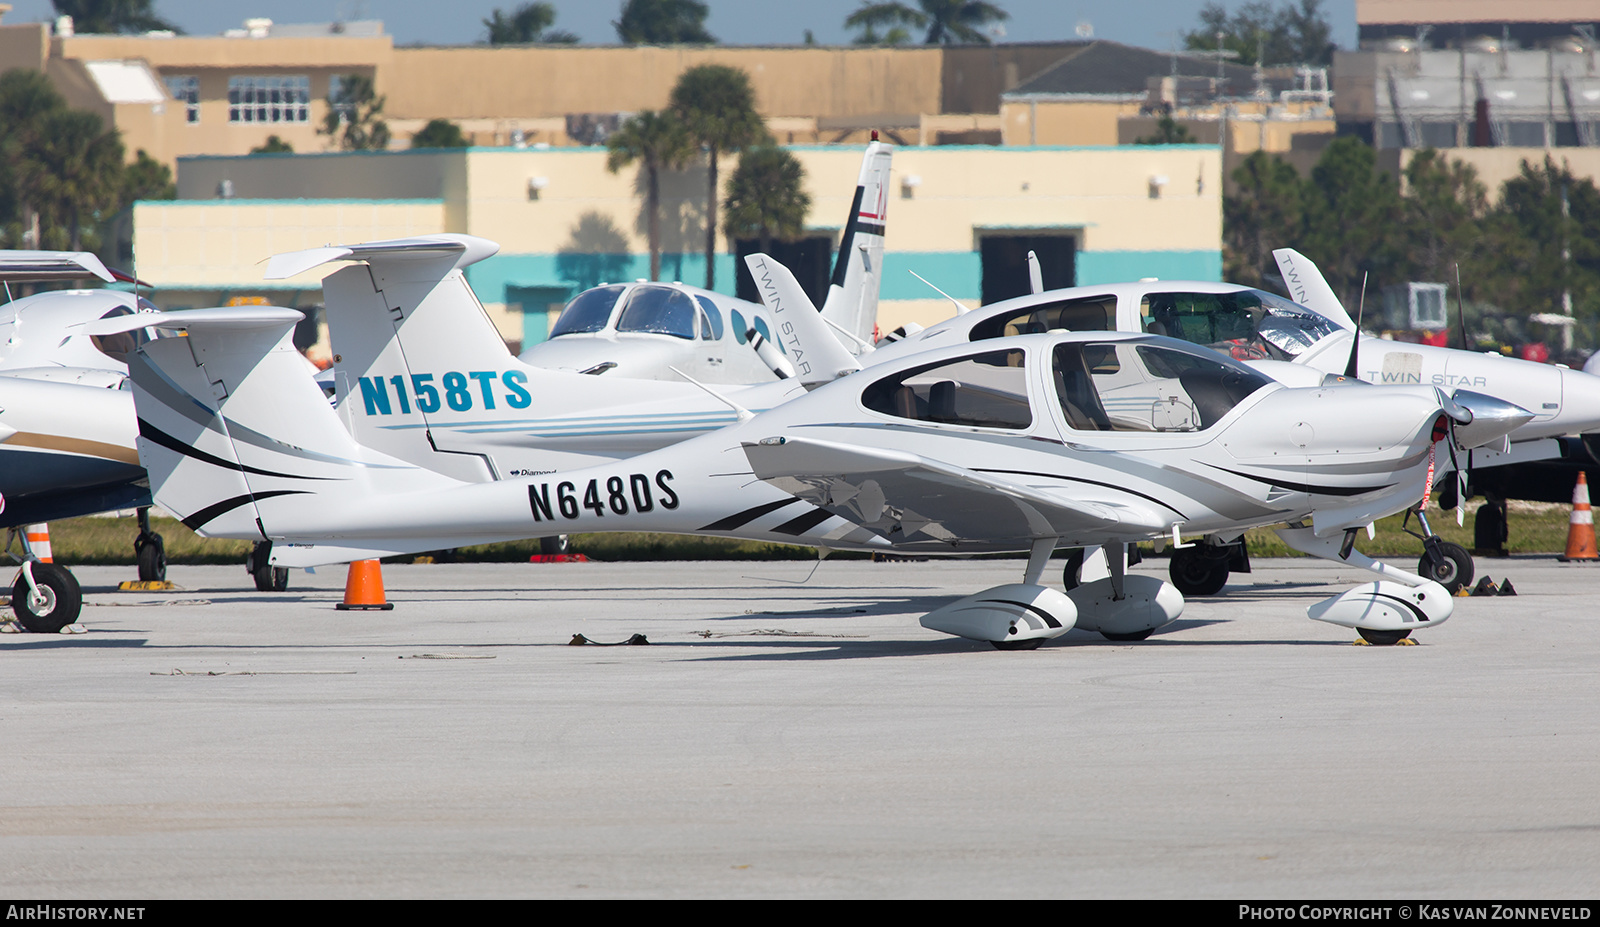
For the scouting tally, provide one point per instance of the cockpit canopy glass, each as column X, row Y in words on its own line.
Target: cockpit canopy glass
column 120, row 345
column 588, row 312
column 1085, row 314
column 1245, row 324
column 988, row 390
column 1140, row 386
column 658, row 310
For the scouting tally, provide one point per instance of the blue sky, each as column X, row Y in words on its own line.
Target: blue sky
column 1150, row 23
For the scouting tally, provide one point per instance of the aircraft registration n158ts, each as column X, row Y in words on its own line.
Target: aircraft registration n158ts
column 1022, row 444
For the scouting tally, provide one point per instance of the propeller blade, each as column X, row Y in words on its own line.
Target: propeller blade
column 1352, row 367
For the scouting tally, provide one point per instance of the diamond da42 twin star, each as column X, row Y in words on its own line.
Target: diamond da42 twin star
column 1026, row 444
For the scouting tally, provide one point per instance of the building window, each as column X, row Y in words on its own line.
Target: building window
column 342, row 107
column 269, row 99
column 185, row 88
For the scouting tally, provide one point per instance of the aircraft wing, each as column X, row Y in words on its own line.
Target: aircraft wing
column 916, row 501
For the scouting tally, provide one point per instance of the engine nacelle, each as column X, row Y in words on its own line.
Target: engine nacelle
column 1147, row 603
column 1010, row 613
column 1386, row 606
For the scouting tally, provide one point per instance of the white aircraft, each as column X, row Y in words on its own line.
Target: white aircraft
column 1298, row 344
column 66, row 425
column 653, row 330
column 1076, row 440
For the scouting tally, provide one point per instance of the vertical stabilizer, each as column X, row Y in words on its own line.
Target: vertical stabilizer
column 816, row 354
column 1308, row 287
column 852, row 302
column 400, row 323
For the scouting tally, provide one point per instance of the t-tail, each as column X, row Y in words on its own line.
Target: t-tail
column 239, row 442
column 852, row 301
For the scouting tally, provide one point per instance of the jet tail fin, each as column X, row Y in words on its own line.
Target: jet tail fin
column 852, row 302
column 236, row 437
column 400, row 322
column 817, row 355
column 1308, row 287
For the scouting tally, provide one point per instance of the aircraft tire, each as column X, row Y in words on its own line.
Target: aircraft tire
column 63, row 599
column 151, row 553
column 1030, row 644
column 1135, row 636
column 555, row 545
column 1383, row 638
column 1196, row 574
column 1454, row 571
column 267, row 577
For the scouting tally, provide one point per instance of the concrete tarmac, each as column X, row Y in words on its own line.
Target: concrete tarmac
column 786, row 737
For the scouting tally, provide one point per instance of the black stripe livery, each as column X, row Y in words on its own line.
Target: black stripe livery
column 1307, row 487
column 1048, row 618
column 803, row 523
column 195, row 521
column 147, row 430
column 748, row 515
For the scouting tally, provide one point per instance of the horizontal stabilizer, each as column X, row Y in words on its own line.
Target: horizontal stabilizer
column 26, row 266
column 241, row 318
column 467, row 249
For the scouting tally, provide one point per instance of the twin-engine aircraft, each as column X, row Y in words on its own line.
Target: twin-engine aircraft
column 66, row 426
column 1299, row 343
column 1023, row 443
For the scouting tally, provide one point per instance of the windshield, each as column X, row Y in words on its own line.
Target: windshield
column 1140, row 386
column 1245, row 324
column 118, row 346
column 588, row 312
column 658, row 310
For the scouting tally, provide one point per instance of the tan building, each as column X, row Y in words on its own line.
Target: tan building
column 188, row 95
column 962, row 217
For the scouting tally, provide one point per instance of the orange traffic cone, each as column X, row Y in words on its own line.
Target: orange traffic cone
column 39, row 541
column 363, row 588
column 1580, row 531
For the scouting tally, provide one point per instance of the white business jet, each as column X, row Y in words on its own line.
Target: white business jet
column 1079, row 440
column 655, row 330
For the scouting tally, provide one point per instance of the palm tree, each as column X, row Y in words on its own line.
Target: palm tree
column 525, row 25
column 718, row 106
column 353, row 115
column 766, row 197
column 664, row 22
column 72, row 172
column 657, row 140
column 112, row 16
column 949, row 22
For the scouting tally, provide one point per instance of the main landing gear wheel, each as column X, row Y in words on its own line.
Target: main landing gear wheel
column 151, row 553
column 1134, row 636
column 1383, row 638
column 259, row 564
column 1030, row 644
column 53, row 606
column 555, row 545
column 1196, row 574
column 1449, row 565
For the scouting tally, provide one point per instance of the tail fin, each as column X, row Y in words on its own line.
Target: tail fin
column 236, row 437
column 414, row 285
column 852, row 302
column 817, row 355
column 1308, row 287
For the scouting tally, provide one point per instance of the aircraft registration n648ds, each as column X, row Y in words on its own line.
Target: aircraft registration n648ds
column 1027, row 444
